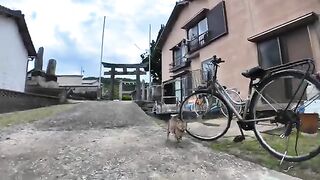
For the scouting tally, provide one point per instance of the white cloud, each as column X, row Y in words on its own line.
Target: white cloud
column 127, row 24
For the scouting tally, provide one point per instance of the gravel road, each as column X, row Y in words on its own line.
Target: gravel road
column 113, row 140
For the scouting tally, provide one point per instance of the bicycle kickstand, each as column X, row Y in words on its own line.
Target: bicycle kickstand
column 241, row 137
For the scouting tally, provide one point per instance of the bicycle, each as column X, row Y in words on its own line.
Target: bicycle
column 232, row 94
column 274, row 110
column 236, row 101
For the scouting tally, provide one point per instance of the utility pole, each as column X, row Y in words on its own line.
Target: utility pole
column 150, row 82
column 82, row 71
column 101, row 55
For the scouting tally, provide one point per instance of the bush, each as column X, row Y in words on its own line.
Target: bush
column 126, row 98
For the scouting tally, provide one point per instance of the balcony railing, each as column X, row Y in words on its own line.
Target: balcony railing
column 199, row 41
column 179, row 63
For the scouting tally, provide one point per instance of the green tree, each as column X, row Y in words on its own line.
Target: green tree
column 155, row 59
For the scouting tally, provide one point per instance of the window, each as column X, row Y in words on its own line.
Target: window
column 292, row 46
column 207, row 70
column 206, row 26
column 178, row 89
column 169, row 92
column 183, row 86
column 269, row 53
column 179, row 56
column 289, row 47
column 197, row 34
column 186, row 85
column 203, row 30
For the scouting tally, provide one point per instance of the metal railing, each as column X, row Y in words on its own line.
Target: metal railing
column 198, row 41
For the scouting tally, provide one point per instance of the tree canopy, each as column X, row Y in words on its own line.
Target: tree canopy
column 155, row 59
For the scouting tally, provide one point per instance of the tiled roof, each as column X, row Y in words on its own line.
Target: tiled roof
column 22, row 26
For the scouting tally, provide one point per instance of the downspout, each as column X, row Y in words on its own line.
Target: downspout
column 317, row 30
column 26, row 79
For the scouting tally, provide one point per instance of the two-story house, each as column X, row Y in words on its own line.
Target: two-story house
column 244, row 33
column 16, row 49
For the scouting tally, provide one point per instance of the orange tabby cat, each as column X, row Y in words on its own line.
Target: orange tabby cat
column 177, row 127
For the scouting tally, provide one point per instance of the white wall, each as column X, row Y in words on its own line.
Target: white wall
column 13, row 56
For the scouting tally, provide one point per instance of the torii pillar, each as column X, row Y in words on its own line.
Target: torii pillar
column 138, row 85
column 112, row 75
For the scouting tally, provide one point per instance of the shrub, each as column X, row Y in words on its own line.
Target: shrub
column 126, row 98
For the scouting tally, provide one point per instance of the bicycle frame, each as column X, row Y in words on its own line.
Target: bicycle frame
column 221, row 91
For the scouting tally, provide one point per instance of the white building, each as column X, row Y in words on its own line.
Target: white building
column 69, row 80
column 16, row 48
column 90, row 82
column 77, row 84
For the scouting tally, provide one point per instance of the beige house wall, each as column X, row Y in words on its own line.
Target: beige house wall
column 244, row 19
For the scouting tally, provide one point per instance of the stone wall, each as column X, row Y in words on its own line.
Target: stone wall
column 16, row 101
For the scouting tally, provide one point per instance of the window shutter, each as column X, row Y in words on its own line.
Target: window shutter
column 217, row 21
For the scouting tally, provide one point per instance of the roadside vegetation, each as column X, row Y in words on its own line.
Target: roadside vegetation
column 28, row 116
column 251, row 150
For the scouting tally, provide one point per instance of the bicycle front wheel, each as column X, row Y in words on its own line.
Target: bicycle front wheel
column 202, row 111
column 289, row 103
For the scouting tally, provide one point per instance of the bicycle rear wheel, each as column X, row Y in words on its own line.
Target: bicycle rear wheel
column 291, row 100
column 202, row 112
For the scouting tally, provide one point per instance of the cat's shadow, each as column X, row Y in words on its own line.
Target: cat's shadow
column 185, row 143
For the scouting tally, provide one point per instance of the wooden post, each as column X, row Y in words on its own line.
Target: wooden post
column 120, row 90
column 138, row 84
column 112, row 82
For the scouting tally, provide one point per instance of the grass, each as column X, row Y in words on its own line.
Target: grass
column 28, row 116
column 252, row 151
column 305, row 143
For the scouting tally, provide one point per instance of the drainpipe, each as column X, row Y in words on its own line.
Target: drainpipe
column 25, row 83
column 318, row 34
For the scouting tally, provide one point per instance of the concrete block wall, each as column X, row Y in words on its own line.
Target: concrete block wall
column 16, row 101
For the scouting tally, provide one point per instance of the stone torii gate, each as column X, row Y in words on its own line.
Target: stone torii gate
column 136, row 72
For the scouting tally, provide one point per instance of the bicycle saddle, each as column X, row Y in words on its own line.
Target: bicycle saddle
column 254, row 73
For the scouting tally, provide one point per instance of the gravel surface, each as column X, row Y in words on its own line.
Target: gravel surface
column 113, row 140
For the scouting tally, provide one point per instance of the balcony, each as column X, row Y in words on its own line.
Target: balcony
column 179, row 63
column 199, row 41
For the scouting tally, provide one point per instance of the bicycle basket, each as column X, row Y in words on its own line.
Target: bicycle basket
column 197, row 79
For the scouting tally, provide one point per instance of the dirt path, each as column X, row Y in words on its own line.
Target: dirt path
column 112, row 140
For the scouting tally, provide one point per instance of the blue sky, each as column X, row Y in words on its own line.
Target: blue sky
column 70, row 30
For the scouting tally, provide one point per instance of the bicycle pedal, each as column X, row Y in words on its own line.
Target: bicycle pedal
column 238, row 138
